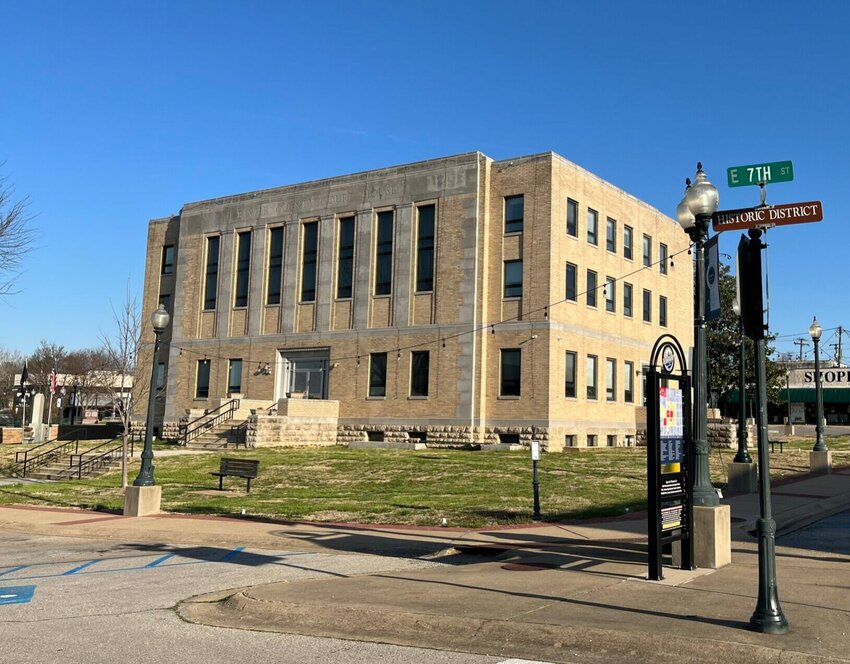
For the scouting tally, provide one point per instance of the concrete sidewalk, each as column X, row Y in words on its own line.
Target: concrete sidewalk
column 555, row 592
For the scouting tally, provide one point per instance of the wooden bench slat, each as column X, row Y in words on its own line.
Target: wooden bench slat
column 245, row 468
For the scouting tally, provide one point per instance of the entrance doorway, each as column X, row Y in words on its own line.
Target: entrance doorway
column 304, row 373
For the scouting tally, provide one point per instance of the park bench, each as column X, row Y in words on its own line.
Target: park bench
column 245, row 468
column 774, row 443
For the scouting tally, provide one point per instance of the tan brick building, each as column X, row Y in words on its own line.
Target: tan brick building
column 458, row 300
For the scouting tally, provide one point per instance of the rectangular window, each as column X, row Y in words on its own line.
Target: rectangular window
column 202, row 382
column 425, row 249
column 275, row 265
column 513, row 213
column 569, row 440
column 309, row 260
column 384, row 256
column 510, row 372
column 211, row 273
column 420, row 362
column 513, row 278
column 572, row 286
column 243, row 268
column 662, row 258
column 572, row 217
column 629, row 381
column 610, row 294
column 168, row 259
column 234, row 376
column 628, row 235
column 378, row 375
column 165, row 301
column 610, row 379
column 647, row 250
column 627, row 299
column 160, row 375
column 591, row 376
column 591, row 288
column 662, row 311
column 611, row 235
column 647, row 306
column 570, row 375
column 612, row 440
column 643, row 369
column 592, row 224
column 591, row 440
column 345, row 258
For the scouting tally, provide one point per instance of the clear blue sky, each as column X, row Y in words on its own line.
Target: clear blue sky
column 117, row 112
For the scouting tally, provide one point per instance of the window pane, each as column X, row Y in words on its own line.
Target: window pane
column 243, row 268
column 647, row 306
column 627, row 242
column 510, row 371
column 610, row 379
column 591, row 376
column 647, row 250
column 165, row 301
column 513, row 213
column 309, row 260
column 610, row 294
column 627, row 299
column 592, row 222
column 662, row 258
column 211, row 280
column 168, row 259
column 629, row 381
column 425, row 249
column 378, row 375
column 345, row 259
column 202, row 390
column 234, row 376
column 611, row 235
column 570, row 375
column 513, row 278
column 591, row 288
column 571, row 282
column 662, row 311
column 419, row 366
column 384, row 265
column 572, row 217
column 275, row 265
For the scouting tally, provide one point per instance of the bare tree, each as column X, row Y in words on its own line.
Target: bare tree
column 122, row 347
column 16, row 235
column 11, row 362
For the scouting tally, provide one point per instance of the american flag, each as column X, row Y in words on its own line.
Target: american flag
column 53, row 381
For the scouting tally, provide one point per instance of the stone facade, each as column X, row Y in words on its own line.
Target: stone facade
column 468, row 321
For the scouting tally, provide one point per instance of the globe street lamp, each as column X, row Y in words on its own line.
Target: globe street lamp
column 159, row 320
column 815, row 330
column 743, row 455
column 694, row 212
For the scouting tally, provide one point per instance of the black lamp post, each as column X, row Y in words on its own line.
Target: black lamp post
column 743, row 455
column 159, row 319
column 694, row 213
column 74, row 399
column 815, row 330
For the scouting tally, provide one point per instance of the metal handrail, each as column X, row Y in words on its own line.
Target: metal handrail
column 48, row 455
column 90, row 463
column 239, row 433
column 27, row 451
column 88, row 452
column 194, row 429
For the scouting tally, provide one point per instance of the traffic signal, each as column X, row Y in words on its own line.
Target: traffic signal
column 749, row 283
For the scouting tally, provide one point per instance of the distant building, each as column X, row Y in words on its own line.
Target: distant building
column 799, row 391
column 92, row 395
column 457, row 300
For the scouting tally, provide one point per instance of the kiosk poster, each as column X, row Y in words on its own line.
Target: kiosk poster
column 672, row 438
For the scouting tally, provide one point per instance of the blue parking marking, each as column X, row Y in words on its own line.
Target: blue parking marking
column 159, row 561
column 14, row 569
column 232, row 554
column 16, row 594
column 80, row 567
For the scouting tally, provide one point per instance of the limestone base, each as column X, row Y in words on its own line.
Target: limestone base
column 820, row 462
column 743, row 477
column 712, row 531
column 142, row 500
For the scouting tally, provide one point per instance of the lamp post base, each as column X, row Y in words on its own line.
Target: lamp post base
column 743, row 477
column 820, row 462
column 712, row 536
column 142, row 500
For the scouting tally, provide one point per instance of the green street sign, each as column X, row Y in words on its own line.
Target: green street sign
column 777, row 171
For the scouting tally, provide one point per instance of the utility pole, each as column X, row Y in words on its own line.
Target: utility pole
column 801, row 343
column 838, row 350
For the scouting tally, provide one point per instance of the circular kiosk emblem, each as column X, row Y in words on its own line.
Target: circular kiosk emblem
column 668, row 358
column 712, row 275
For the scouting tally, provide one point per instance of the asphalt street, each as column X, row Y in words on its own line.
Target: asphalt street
column 89, row 601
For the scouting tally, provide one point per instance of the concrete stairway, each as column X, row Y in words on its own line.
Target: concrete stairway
column 58, row 469
column 217, row 438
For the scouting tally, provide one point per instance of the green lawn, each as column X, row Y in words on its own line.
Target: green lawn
column 469, row 489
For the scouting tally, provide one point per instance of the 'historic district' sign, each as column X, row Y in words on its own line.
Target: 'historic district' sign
column 769, row 215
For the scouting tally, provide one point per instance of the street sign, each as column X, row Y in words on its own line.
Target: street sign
column 769, row 215
column 776, row 171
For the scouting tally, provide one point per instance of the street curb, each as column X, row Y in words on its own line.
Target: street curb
column 501, row 638
column 796, row 518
